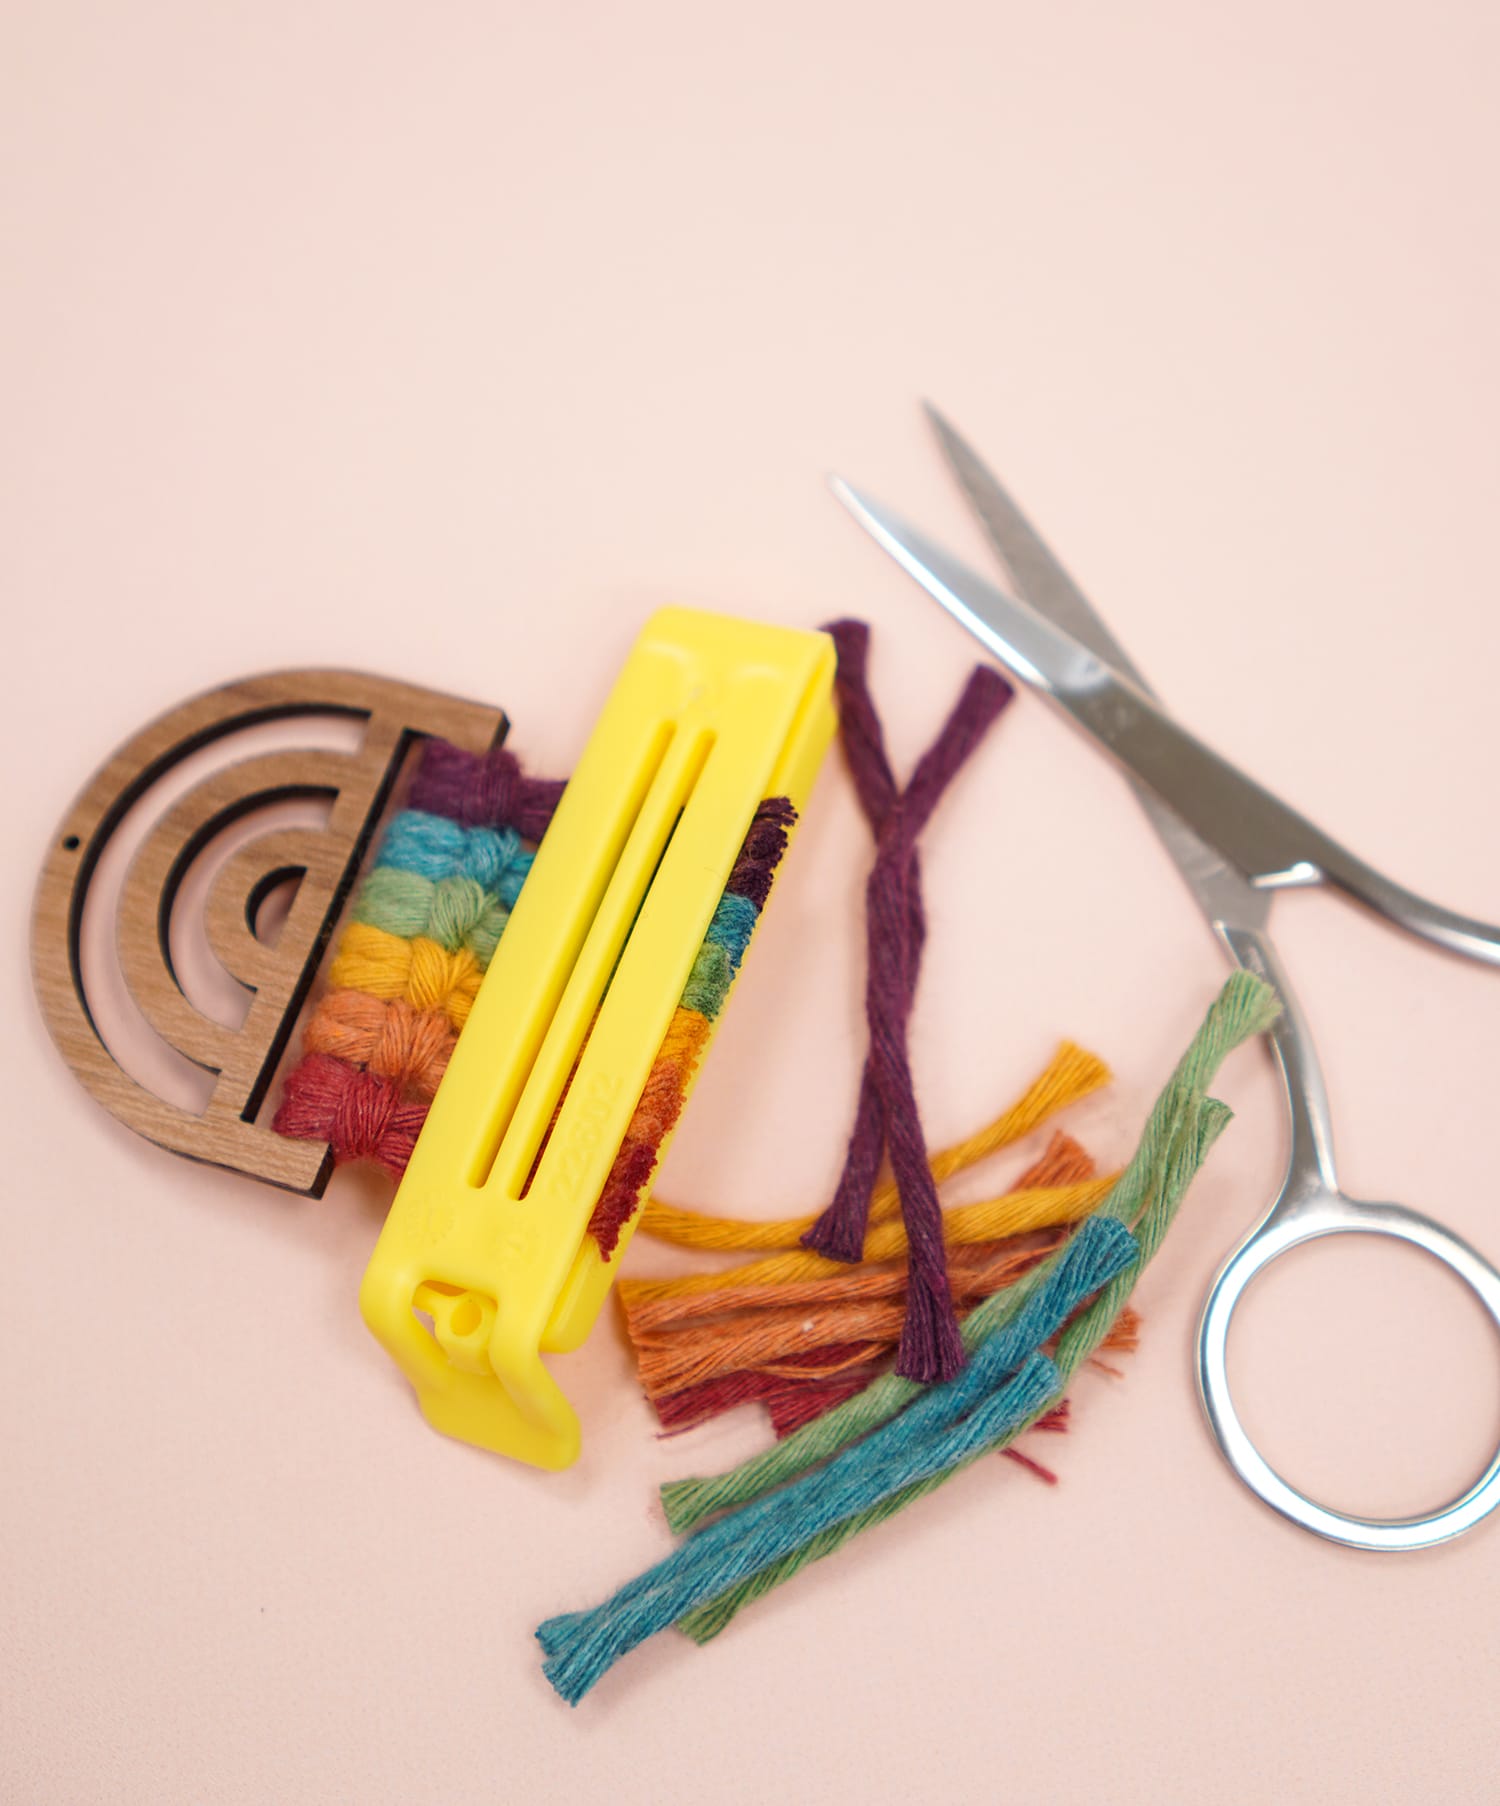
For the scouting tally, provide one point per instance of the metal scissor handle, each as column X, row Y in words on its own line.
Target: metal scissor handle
column 1310, row 1206
column 1292, row 1222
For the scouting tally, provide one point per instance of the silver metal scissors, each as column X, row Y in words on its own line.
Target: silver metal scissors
column 1236, row 844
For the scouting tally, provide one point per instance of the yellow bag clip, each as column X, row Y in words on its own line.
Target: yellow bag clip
column 488, row 1236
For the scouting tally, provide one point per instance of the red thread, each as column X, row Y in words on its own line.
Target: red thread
column 360, row 1116
column 792, row 1406
column 654, row 1119
column 695, row 1404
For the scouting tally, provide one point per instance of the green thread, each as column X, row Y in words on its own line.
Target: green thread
column 456, row 912
column 1183, row 1125
column 705, row 1623
column 709, row 981
column 465, row 914
column 394, row 901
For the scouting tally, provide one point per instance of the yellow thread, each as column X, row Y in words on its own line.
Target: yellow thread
column 371, row 960
column 1071, row 1074
column 427, row 975
column 995, row 1218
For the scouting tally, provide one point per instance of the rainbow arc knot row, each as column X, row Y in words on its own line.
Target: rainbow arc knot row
column 423, row 930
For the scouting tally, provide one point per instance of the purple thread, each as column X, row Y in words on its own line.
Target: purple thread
column 483, row 790
column 764, row 846
column 886, row 1117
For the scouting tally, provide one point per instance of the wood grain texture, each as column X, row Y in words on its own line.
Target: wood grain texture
column 324, row 862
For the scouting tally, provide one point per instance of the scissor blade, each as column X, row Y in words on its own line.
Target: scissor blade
column 1243, row 823
column 1039, row 578
column 1043, row 582
column 1043, row 655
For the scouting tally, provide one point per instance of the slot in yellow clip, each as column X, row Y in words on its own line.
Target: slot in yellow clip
column 488, row 1235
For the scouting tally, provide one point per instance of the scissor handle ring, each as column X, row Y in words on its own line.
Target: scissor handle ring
column 1287, row 1227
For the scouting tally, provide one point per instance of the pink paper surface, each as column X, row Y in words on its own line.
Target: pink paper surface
column 449, row 341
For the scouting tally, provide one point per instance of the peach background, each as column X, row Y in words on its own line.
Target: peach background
column 447, row 341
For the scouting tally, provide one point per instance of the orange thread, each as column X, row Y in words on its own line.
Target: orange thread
column 701, row 1352
column 408, row 1046
column 1063, row 1163
column 861, row 1309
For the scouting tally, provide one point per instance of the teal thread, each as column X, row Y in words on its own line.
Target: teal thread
column 581, row 1646
column 1182, row 1127
column 1239, row 1011
column 946, row 1425
column 732, row 926
column 706, row 1621
column 877, row 1458
column 434, row 847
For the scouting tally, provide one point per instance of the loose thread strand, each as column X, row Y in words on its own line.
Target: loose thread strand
column 990, row 1220
column 1071, row 1075
column 886, row 1116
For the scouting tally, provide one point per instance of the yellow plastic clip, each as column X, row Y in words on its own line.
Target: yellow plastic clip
column 488, row 1237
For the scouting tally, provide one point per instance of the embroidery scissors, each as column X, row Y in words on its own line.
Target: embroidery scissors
column 1236, row 845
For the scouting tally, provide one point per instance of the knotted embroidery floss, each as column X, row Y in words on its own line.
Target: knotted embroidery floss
column 424, row 927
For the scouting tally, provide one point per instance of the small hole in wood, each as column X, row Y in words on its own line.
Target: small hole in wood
column 72, row 844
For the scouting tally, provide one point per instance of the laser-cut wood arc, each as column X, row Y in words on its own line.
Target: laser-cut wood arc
column 325, row 861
